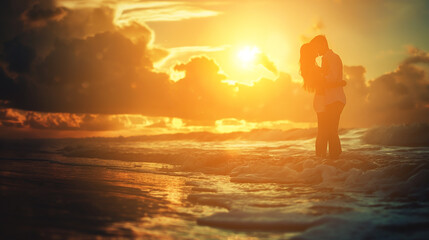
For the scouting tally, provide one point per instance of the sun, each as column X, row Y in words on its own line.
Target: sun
column 247, row 55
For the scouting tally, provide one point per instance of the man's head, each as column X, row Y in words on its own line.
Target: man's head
column 320, row 43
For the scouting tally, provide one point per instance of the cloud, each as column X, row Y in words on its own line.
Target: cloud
column 402, row 94
column 150, row 11
column 23, row 44
column 416, row 56
column 274, row 100
column 103, row 73
column 83, row 122
column 18, row 56
column 162, row 11
column 11, row 118
column 397, row 97
column 33, row 124
column 42, row 12
column 59, row 121
column 201, row 94
column 267, row 63
column 65, row 121
column 178, row 54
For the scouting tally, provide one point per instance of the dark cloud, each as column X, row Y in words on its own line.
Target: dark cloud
column 81, row 63
column 356, row 111
column 18, row 56
column 7, row 87
column 16, row 31
column 42, row 12
column 61, row 121
column 397, row 97
column 51, row 121
column 10, row 18
column 402, row 95
column 105, row 73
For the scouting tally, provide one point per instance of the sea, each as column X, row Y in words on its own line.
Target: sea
column 258, row 185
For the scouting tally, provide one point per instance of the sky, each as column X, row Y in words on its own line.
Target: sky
column 72, row 68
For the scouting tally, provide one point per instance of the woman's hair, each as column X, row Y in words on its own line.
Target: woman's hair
column 308, row 67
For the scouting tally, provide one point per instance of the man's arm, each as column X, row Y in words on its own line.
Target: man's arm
column 341, row 83
column 332, row 67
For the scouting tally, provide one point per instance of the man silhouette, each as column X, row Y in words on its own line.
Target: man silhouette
column 335, row 99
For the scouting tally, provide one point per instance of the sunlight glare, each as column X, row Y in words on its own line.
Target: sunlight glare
column 247, row 55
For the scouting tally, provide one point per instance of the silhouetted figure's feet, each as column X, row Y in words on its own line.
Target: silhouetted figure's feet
column 322, row 155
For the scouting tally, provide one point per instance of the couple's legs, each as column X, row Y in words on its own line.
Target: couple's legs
column 328, row 122
column 322, row 134
column 334, row 112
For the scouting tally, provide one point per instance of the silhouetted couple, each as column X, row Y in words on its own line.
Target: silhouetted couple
column 329, row 99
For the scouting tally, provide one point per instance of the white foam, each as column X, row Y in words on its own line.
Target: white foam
column 389, row 180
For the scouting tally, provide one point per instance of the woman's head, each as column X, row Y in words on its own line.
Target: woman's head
column 320, row 44
column 307, row 63
column 307, row 52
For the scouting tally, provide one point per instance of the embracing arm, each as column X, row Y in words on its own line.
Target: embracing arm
column 335, row 84
column 332, row 67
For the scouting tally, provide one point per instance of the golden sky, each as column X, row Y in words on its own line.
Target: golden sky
column 75, row 68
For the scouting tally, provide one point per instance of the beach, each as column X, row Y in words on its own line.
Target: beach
column 212, row 189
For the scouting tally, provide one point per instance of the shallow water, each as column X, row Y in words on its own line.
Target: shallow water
column 233, row 189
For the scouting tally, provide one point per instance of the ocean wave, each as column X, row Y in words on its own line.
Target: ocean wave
column 265, row 221
column 253, row 135
column 412, row 135
column 400, row 180
column 397, row 173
